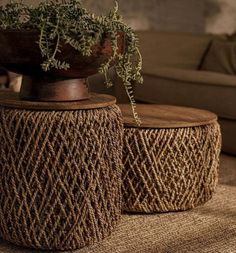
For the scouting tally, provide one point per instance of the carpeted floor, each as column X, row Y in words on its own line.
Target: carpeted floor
column 209, row 228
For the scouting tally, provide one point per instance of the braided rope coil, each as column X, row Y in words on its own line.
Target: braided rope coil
column 60, row 176
column 170, row 169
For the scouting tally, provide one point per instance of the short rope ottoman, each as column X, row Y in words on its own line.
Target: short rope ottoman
column 171, row 161
column 60, row 171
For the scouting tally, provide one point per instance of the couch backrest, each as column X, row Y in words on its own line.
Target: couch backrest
column 172, row 49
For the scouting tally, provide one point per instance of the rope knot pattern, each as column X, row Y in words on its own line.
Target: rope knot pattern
column 170, row 169
column 60, row 176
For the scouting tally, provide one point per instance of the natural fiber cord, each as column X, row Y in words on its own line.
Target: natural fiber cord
column 60, row 176
column 210, row 228
column 170, row 169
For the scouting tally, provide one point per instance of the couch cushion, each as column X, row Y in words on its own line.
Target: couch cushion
column 201, row 89
column 170, row 49
column 221, row 57
column 194, row 76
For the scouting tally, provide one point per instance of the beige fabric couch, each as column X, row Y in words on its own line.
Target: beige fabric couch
column 172, row 75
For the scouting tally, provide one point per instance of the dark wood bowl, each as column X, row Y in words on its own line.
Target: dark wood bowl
column 20, row 53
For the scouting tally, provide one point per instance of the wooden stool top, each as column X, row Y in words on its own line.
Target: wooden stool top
column 12, row 100
column 167, row 116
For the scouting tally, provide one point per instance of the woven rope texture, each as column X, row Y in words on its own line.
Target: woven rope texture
column 169, row 169
column 60, row 176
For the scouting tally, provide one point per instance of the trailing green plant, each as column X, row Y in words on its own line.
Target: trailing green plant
column 66, row 21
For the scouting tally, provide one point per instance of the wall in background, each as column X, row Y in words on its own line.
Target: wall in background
column 168, row 15
column 220, row 16
column 197, row 16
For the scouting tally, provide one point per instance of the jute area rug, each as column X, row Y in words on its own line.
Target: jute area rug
column 208, row 228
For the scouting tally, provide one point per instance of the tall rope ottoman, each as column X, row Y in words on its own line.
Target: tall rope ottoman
column 171, row 161
column 60, row 171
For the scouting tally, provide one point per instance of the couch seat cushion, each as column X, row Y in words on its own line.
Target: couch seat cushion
column 201, row 89
column 202, row 77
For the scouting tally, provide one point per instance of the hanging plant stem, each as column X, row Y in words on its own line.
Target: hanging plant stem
column 67, row 22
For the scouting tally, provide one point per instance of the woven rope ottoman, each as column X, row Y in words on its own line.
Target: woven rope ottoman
column 60, row 171
column 171, row 161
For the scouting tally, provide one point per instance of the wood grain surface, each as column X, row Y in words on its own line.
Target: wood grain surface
column 12, row 100
column 167, row 116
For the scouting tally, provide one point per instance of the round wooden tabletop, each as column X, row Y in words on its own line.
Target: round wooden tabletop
column 167, row 116
column 12, row 100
